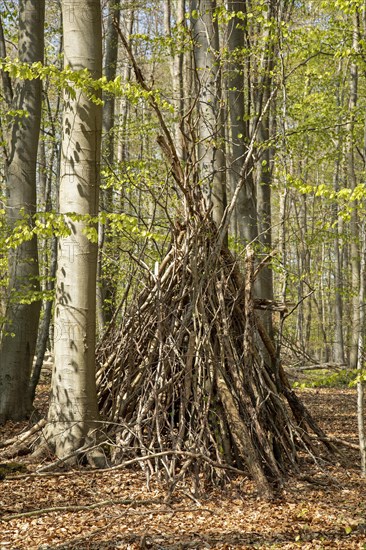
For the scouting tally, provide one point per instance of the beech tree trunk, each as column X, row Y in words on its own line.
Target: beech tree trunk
column 211, row 156
column 361, row 358
column 354, row 223
column 73, row 411
column 104, row 287
column 175, row 28
column 19, row 332
column 245, row 217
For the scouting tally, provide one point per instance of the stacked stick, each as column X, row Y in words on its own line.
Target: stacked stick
column 190, row 374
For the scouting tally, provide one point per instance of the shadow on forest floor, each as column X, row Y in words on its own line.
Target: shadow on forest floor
column 114, row 509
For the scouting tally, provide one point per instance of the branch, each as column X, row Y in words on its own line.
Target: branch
column 270, row 305
column 187, row 454
column 78, row 508
column 138, row 459
column 23, row 437
column 343, row 442
column 320, row 366
column 165, row 141
column 298, row 304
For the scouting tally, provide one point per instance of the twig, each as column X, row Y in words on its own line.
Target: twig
column 178, row 453
column 45, row 471
column 297, row 305
column 78, row 508
column 24, row 436
column 343, row 442
column 62, row 461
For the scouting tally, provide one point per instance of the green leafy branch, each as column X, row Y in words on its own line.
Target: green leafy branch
column 71, row 81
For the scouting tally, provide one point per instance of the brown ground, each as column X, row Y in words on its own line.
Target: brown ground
column 328, row 514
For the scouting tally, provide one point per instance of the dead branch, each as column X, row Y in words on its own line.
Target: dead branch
column 18, row 439
column 186, row 387
column 78, row 508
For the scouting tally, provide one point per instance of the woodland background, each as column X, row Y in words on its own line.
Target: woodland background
column 182, row 228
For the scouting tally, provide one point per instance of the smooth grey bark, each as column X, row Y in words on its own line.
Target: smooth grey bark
column 44, row 329
column 109, row 71
column 264, row 164
column 175, row 28
column 361, row 358
column 339, row 355
column 19, row 333
column 73, row 412
column 104, row 291
column 49, row 176
column 211, row 144
column 245, row 215
column 352, row 182
column 338, row 345
column 124, row 106
column 303, row 265
column 249, row 96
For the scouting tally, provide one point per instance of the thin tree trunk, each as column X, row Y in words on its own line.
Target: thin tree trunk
column 176, row 10
column 211, row 132
column 245, row 218
column 104, row 290
column 352, row 180
column 45, row 325
column 361, row 358
column 6, row 81
column 123, row 104
column 48, row 167
column 338, row 346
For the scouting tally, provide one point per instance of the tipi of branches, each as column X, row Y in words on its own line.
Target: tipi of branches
column 189, row 376
column 188, row 379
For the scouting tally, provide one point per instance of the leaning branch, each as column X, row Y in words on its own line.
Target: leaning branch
column 165, row 141
column 24, row 436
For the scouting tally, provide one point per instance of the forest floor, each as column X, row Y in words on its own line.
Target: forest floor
column 325, row 508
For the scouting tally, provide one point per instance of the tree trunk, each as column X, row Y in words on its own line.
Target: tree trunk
column 73, row 411
column 50, row 169
column 43, row 335
column 338, row 346
column 175, row 10
column 104, row 290
column 361, row 358
column 211, row 156
column 245, row 218
column 352, row 181
column 19, row 333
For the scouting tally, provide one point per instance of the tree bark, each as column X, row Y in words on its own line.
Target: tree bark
column 211, row 156
column 245, row 218
column 73, row 411
column 104, row 290
column 361, row 358
column 19, row 333
column 175, row 11
column 352, row 181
